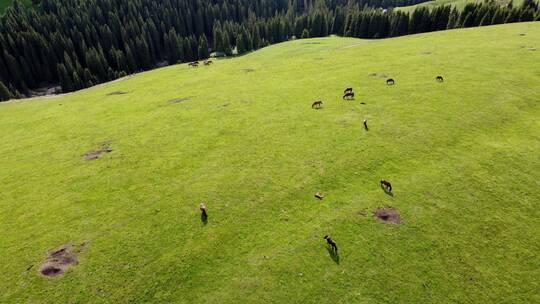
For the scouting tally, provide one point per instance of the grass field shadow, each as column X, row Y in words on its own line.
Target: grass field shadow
column 387, row 192
column 333, row 254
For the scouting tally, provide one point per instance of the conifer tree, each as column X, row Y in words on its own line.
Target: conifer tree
column 5, row 94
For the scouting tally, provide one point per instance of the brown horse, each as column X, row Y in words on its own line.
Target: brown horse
column 317, row 104
column 208, row 62
column 386, row 185
column 194, row 64
column 348, row 95
column 390, row 81
column 331, row 242
column 439, row 79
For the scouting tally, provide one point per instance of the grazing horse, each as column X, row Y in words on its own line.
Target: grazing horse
column 349, row 95
column 348, row 90
column 208, row 62
column 390, row 81
column 317, row 104
column 194, row 64
column 331, row 242
column 439, row 79
column 386, row 185
column 202, row 206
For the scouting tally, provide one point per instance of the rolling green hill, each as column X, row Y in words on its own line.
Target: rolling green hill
column 240, row 135
column 459, row 4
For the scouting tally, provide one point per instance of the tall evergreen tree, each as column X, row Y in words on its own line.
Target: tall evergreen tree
column 5, row 94
column 203, row 48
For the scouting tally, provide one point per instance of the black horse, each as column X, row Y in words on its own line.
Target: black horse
column 348, row 95
column 390, row 81
column 348, row 90
column 439, row 79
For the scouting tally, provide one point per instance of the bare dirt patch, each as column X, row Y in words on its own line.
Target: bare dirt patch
column 378, row 74
column 179, row 100
column 103, row 149
column 45, row 91
column 387, row 214
column 117, row 93
column 59, row 260
column 354, row 45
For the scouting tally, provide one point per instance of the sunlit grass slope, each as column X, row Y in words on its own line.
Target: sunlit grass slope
column 463, row 157
column 459, row 4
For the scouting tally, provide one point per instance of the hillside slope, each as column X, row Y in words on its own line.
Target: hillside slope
column 459, row 4
column 240, row 135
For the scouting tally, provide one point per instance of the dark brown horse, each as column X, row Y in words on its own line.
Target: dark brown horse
column 390, row 81
column 439, row 79
column 208, row 62
column 349, row 95
column 331, row 242
column 348, row 90
column 317, row 104
column 386, row 185
column 194, row 64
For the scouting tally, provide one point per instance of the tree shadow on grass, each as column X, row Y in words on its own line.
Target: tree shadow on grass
column 333, row 254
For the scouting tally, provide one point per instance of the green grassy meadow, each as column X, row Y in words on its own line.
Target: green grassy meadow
column 459, row 4
column 462, row 156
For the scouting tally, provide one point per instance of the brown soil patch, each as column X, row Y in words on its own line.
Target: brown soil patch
column 179, row 100
column 387, row 214
column 117, row 93
column 59, row 260
column 380, row 75
column 95, row 154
